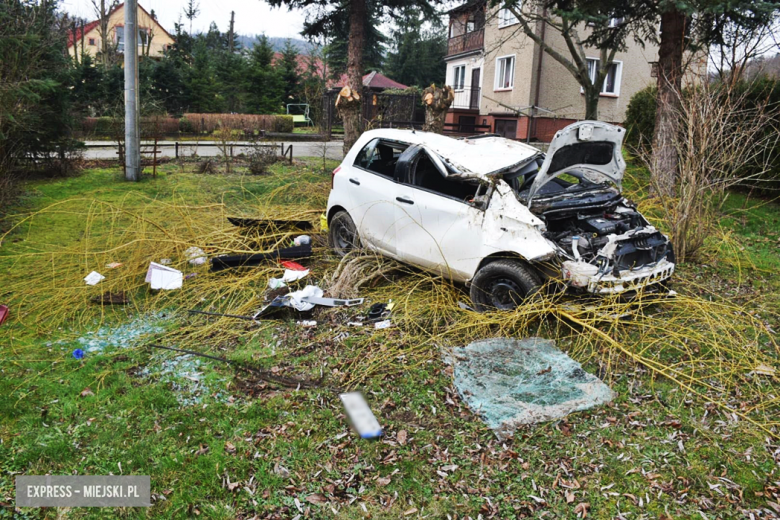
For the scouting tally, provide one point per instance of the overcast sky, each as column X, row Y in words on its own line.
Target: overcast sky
column 252, row 16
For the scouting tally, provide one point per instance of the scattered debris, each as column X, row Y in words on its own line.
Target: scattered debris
column 114, row 265
column 333, row 302
column 289, row 276
column 196, row 256
column 306, row 323
column 94, row 278
column 166, row 261
column 185, row 376
column 165, row 278
column 122, row 336
column 237, row 316
column 267, row 376
column 299, row 300
column 383, row 324
column 303, row 225
column 109, row 298
column 290, row 253
column 78, row 353
column 293, row 266
column 511, row 382
column 465, row 307
column 324, row 222
column 361, row 415
column 302, row 240
column 761, row 369
column 87, row 392
column 3, row 313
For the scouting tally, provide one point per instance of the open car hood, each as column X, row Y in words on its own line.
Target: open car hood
column 591, row 147
column 480, row 157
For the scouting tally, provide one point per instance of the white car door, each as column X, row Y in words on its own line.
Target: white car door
column 438, row 226
column 373, row 187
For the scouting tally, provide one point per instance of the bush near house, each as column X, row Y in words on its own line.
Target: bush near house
column 760, row 91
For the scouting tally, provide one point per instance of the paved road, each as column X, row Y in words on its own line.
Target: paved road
column 107, row 149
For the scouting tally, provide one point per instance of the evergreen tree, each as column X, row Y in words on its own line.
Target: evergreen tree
column 35, row 101
column 265, row 87
column 201, row 81
column 231, row 71
column 337, row 31
column 291, row 76
column 417, row 56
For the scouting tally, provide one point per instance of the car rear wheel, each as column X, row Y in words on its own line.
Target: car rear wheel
column 503, row 285
column 343, row 234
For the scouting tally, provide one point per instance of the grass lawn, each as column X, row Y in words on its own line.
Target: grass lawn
column 220, row 444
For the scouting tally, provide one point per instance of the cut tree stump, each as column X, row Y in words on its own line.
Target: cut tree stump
column 349, row 106
column 437, row 101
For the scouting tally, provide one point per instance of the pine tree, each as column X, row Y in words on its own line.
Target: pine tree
column 290, row 73
column 265, row 87
column 417, row 56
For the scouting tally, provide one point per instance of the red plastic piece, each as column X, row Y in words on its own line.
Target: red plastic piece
column 3, row 313
column 292, row 266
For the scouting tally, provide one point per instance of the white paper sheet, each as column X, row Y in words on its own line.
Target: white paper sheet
column 165, row 278
column 93, row 278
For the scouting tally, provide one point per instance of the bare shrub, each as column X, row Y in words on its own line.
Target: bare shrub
column 260, row 158
column 723, row 142
column 207, row 166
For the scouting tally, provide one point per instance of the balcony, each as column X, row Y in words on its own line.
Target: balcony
column 472, row 41
column 466, row 99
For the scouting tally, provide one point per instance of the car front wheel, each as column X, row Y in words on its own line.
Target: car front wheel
column 503, row 285
column 343, row 234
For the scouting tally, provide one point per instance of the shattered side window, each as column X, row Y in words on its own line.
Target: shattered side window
column 428, row 177
column 380, row 157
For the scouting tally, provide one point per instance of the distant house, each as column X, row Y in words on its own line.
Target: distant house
column 153, row 39
column 373, row 81
column 500, row 76
column 305, row 64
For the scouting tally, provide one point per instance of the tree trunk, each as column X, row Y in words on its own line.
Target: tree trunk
column 349, row 100
column 592, row 102
column 437, row 101
column 670, row 59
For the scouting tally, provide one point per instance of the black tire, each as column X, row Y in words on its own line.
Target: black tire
column 503, row 285
column 342, row 234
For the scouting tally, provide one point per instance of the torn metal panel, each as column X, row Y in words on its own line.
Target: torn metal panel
column 592, row 147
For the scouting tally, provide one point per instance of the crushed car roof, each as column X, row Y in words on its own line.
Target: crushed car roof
column 476, row 157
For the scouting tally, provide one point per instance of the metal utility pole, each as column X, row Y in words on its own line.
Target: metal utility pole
column 132, row 138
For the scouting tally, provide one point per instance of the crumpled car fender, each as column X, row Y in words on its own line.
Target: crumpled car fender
column 510, row 226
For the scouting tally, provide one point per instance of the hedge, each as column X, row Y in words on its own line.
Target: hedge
column 250, row 124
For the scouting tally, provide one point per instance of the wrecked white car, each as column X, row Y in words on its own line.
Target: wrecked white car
column 497, row 214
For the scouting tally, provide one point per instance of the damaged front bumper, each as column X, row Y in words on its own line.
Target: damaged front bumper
column 629, row 262
column 632, row 280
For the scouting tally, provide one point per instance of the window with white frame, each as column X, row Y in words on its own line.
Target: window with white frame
column 616, row 22
column 505, row 73
column 120, row 38
column 143, row 37
column 506, row 18
column 459, row 77
column 611, row 84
